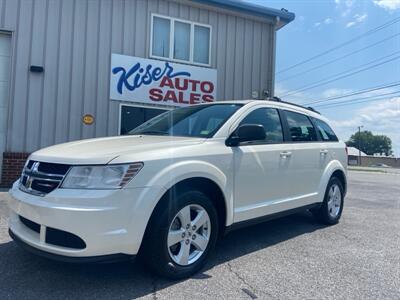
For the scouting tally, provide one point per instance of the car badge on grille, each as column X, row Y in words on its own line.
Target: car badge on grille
column 28, row 183
column 35, row 167
column 29, row 179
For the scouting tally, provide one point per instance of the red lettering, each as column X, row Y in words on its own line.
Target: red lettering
column 181, row 99
column 194, row 84
column 156, row 94
column 167, row 82
column 170, row 95
column 208, row 98
column 194, row 98
column 183, row 87
column 207, row 87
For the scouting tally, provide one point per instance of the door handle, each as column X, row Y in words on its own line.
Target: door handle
column 286, row 154
column 323, row 152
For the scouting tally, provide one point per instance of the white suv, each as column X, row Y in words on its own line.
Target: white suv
column 172, row 186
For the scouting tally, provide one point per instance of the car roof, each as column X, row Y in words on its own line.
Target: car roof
column 277, row 104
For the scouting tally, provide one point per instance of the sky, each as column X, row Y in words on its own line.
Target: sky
column 321, row 25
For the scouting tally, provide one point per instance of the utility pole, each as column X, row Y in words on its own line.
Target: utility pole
column 359, row 144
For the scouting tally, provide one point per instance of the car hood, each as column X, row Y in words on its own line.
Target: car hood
column 104, row 150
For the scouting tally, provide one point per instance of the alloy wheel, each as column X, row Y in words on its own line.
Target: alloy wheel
column 189, row 234
column 334, row 200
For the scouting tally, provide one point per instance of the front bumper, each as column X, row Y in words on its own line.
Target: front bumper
column 108, row 221
column 69, row 259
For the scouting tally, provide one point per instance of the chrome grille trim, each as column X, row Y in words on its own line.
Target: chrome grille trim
column 38, row 183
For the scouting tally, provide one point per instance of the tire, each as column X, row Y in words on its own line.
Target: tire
column 330, row 211
column 168, row 225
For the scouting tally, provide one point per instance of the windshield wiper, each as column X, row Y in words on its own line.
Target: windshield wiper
column 152, row 132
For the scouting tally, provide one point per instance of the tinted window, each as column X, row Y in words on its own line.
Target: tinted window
column 269, row 119
column 325, row 131
column 300, row 127
column 194, row 121
column 132, row 117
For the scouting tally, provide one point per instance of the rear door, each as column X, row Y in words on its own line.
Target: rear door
column 330, row 148
column 305, row 168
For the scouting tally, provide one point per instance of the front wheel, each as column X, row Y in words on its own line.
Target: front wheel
column 331, row 209
column 182, row 233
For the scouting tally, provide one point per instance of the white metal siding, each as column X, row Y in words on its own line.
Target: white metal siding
column 5, row 52
column 74, row 39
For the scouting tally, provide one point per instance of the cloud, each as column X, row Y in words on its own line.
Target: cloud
column 317, row 24
column 360, row 18
column 350, row 24
column 357, row 19
column 388, row 4
column 328, row 21
column 380, row 117
column 334, row 92
column 344, row 6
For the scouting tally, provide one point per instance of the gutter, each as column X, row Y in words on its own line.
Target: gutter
column 282, row 16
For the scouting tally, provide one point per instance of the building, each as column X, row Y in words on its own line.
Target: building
column 74, row 69
column 353, row 156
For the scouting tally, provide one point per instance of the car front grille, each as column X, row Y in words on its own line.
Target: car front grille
column 40, row 178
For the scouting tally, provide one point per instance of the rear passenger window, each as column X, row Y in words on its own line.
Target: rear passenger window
column 300, row 127
column 325, row 131
column 270, row 120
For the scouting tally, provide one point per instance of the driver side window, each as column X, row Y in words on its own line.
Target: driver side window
column 270, row 120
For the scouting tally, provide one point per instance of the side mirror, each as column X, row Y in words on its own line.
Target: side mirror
column 246, row 133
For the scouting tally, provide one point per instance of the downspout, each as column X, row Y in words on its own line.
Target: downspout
column 272, row 64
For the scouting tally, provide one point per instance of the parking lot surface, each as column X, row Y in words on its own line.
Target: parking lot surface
column 289, row 258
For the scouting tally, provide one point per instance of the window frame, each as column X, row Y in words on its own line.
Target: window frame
column 257, row 143
column 137, row 105
column 314, row 121
column 287, row 128
column 171, row 40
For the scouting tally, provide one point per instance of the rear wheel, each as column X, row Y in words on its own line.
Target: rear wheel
column 181, row 235
column 331, row 209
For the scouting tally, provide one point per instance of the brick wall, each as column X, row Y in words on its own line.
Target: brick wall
column 12, row 167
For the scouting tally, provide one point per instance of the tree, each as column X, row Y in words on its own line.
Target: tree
column 370, row 143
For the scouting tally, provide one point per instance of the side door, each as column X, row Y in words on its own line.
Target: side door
column 305, row 162
column 260, row 167
column 330, row 148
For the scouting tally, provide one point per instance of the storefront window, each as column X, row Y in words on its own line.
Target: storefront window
column 133, row 116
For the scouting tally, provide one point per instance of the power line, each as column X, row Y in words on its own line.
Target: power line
column 359, row 100
column 345, row 103
column 339, row 58
column 369, row 32
column 322, row 82
column 363, row 91
column 305, row 87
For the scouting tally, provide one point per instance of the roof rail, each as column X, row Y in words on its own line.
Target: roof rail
column 277, row 99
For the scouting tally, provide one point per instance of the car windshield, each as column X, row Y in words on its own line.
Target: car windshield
column 201, row 121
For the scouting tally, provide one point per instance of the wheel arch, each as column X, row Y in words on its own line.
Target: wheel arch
column 339, row 174
column 202, row 184
column 334, row 168
column 209, row 188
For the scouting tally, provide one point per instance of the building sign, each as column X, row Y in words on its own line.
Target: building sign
column 152, row 81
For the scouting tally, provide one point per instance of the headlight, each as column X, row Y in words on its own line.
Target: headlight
column 100, row 177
